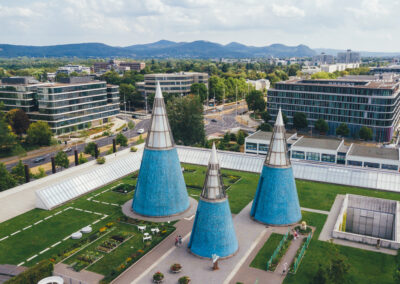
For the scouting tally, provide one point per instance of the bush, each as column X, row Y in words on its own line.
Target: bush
column 82, row 159
column 158, row 276
column 101, row 160
column 34, row 274
column 184, row 280
column 133, row 149
column 176, row 267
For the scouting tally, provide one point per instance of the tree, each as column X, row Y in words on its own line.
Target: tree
column 300, row 120
column 255, row 101
column 18, row 121
column 90, row 148
column 186, row 119
column 265, row 127
column 240, row 137
column 342, row 130
column 322, row 126
column 126, row 92
column 62, row 160
column 285, row 118
column 121, row 140
column 6, row 181
column 199, row 89
column 217, row 87
column 131, row 124
column 39, row 133
column 82, row 159
column 7, row 138
column 18, row 172
column 338, row 269
column 265, row 116
column 321, row 277
column 365, row 133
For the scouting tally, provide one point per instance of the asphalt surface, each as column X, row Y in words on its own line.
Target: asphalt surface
column 220, row 124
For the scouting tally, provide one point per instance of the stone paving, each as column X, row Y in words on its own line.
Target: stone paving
column 71, row 276
column 249, row 233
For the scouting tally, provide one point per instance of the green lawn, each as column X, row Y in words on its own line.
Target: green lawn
column 264, row 254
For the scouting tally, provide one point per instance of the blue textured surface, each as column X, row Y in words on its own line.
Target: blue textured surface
column 276, row 201
column 213, row 230
column 160, row 189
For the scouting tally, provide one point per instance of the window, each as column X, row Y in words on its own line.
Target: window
column 371, row 165
column 251, row 146
column 354, row 163
column 311, row 156
column 341, row 158
column 328, row 158
column 298, row 155
column 390, row 167
column 263, row 147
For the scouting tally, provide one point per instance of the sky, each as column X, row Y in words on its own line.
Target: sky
column 367, row 25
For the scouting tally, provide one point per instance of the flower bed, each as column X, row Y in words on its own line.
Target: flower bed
column 184, row 280
column 124, row 188
column 176, row 268
column 86, row 259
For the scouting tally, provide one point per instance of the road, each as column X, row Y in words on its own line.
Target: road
column 220, row 123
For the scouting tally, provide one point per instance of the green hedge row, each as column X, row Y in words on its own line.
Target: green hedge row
column 34, row 274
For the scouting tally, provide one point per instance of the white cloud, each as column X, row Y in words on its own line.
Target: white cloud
column 287, row 11
column 362, row 25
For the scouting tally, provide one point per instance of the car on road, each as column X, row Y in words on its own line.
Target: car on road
column 140, row 131
column 39, row 159
column 66, row 150
column 125, row 129
column 213, row 120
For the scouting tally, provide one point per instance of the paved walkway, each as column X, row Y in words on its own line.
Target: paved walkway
column 315, row 211
column 71, row 276
column 249, row 234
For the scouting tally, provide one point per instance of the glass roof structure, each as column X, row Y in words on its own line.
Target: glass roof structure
column 67, row 189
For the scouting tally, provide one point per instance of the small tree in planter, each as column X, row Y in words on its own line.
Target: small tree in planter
column 184, row 280
column 133, row 149
column 101, row 160
column 158, row 277
column 176, row 268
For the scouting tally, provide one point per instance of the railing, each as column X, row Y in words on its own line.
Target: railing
column 278, row 249
column 301, row 254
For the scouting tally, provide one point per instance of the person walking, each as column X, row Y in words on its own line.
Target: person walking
column 180, row 240
column 285, row 266
column 177, row 241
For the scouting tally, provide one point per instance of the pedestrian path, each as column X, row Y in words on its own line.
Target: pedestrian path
column 315, row 211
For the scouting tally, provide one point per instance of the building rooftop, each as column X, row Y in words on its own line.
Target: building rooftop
column 262, row 135
column 374, row 152
column 353, row 82
column 174, row 74
column 329, row 144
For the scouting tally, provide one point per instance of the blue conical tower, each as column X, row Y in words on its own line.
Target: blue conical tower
column 160, row 189
column 213, row 231
column 276, row 201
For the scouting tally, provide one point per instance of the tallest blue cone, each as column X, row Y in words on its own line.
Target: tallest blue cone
column 276, row 202
column 160, row 189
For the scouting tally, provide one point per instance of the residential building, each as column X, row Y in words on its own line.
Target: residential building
column 174, row 83
column 260, row 85
column 348, row 57
column 323, row 59
column 330, row 151
column 68, row 69
column 371, row 103
column 101, row 67
column 330, row 68
column 75, row 102
column 386, row 69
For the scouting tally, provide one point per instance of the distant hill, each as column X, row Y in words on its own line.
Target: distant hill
column 160, row 49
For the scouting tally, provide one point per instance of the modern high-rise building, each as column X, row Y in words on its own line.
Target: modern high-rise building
column 348, row 57
column 371, row 103
column 322, row 59
column 173, row 83
column 73, row 103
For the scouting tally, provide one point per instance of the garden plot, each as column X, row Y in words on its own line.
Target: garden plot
column 31, row 243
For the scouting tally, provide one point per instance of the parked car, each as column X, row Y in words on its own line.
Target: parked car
column 213, row 120
column 125, row 129
column 140, row 131
column 39, row 159
column 66, row 150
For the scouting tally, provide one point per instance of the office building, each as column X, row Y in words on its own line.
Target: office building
column 386, row 69
column 348, row 57
column 371, row 103
column 68, row 69
column 101, row 67
column 73, row 103
column 322, row 59
column 173, row 83
column 327, row 151
column 260, row 85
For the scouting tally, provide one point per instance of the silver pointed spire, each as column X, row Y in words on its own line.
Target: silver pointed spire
column 159, row 136
column 213, row 188
column 277, row 153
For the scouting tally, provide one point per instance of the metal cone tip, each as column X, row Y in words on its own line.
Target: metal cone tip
column 158, row 91
column 279, row 119
column 213, row 157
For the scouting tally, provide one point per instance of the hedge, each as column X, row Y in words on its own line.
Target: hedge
column 34, row 274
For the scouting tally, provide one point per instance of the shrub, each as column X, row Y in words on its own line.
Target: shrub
column 101, row 160
column 184, row 280
column 158, row 276
column 176, row 267
column 34, row 274
column 133, row 149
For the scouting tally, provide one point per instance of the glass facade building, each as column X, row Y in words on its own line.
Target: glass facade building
column 74, row 104
column 357, row 103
